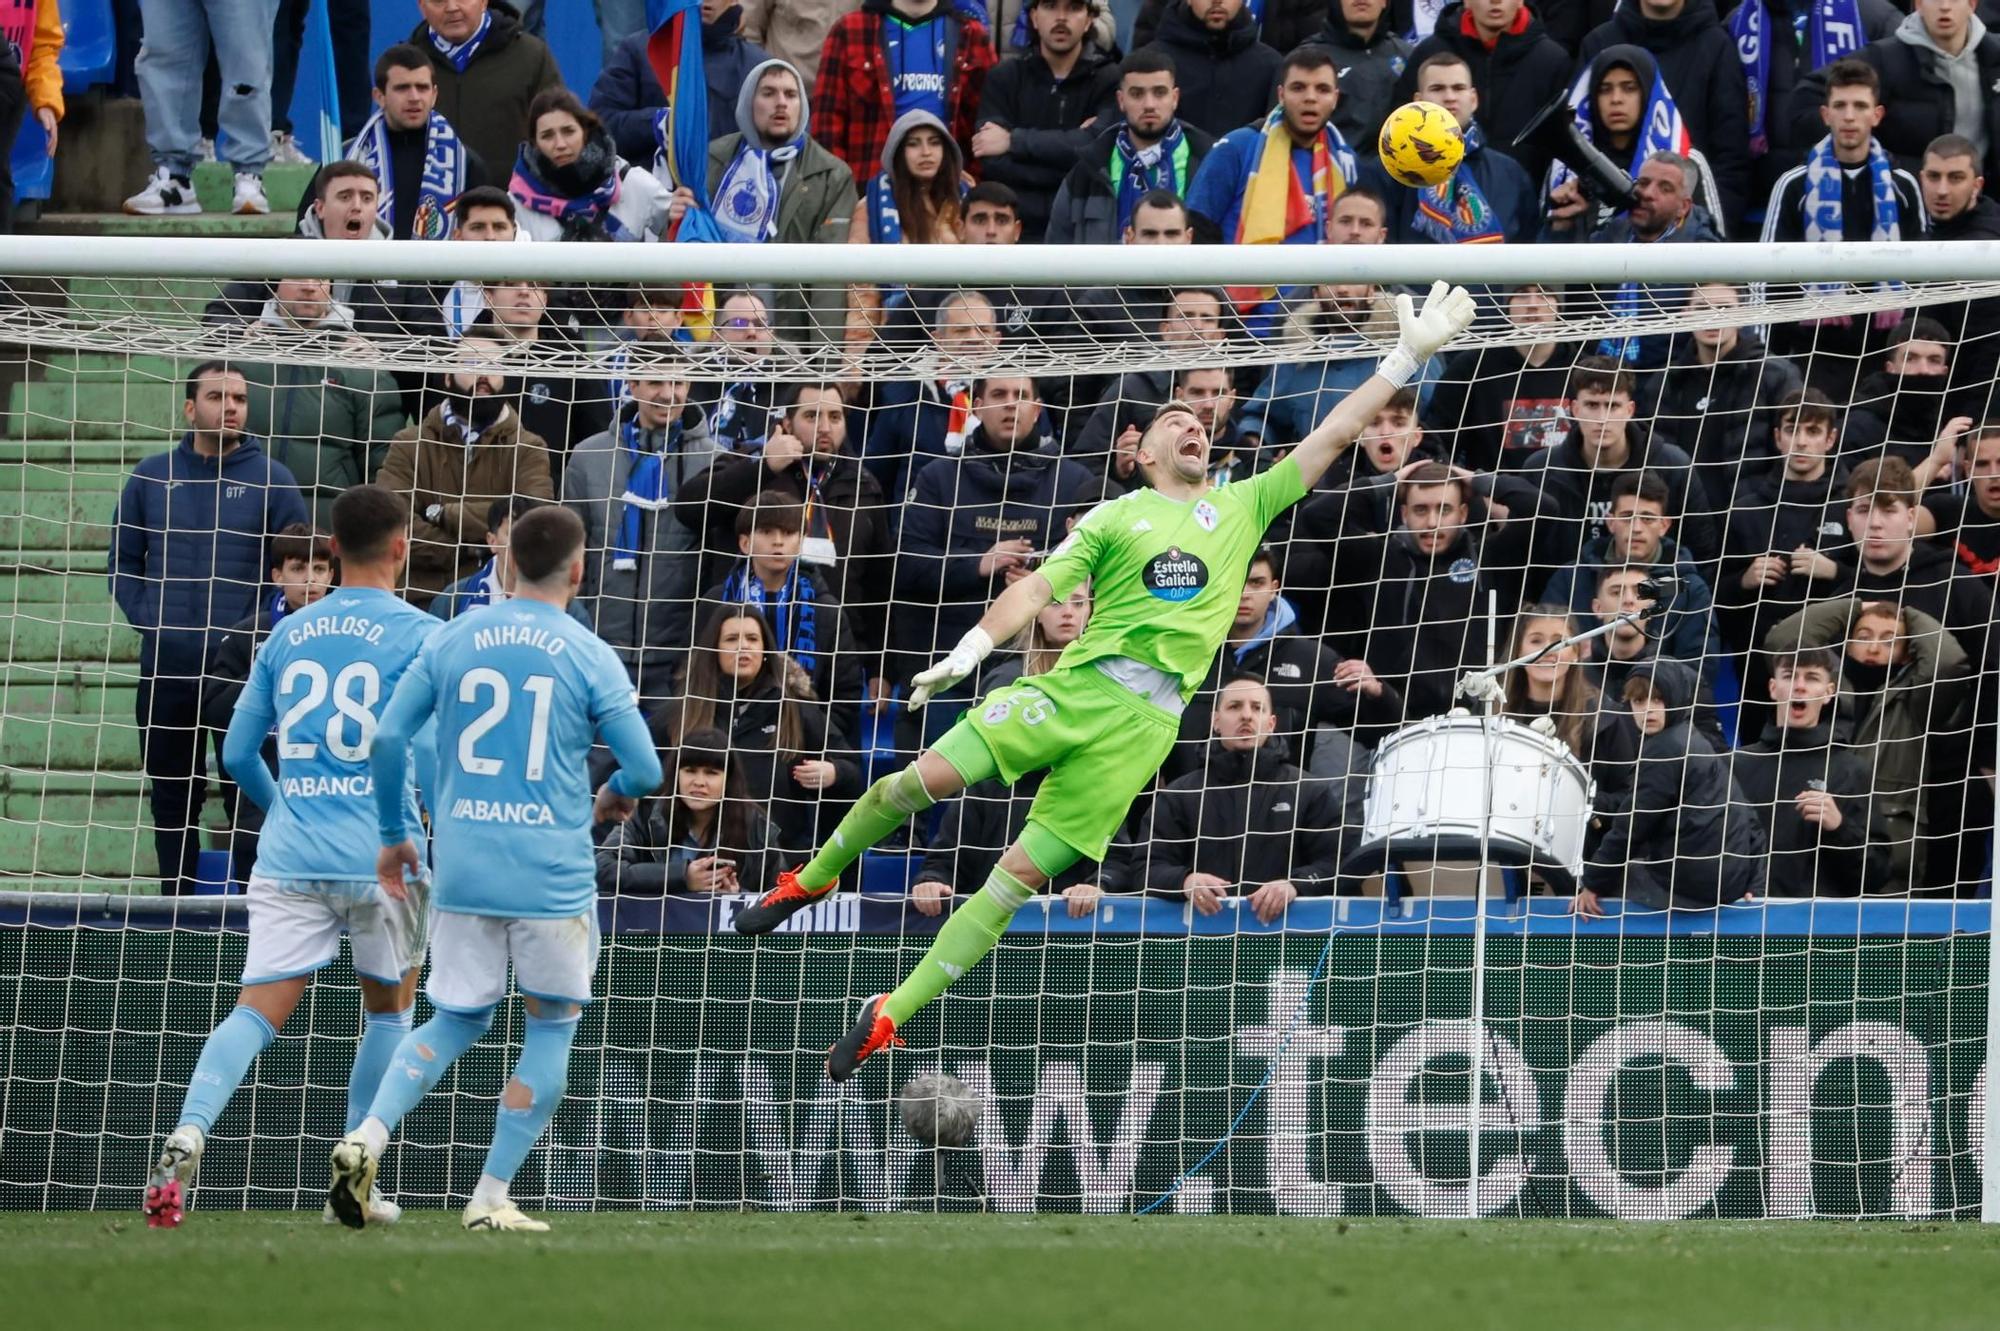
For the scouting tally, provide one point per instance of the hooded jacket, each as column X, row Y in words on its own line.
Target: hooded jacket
column 1248, row 817
column 645, row 613
column 1891, row 722
column 627, row 95
column 1085, row 210
column 1576, row 497
column 1808, row 859
column 1721, row 413
column 1687, row 631
column 1698, row 63
column 1045, row 115
column 1691, row 837
column 1227, row 79
column 188, row 551
column 433, row 463
column 1645, row 67
column 1516, row 76
column 958, row 507
column 1918, row 93
column 853, row 102
column 488, row 103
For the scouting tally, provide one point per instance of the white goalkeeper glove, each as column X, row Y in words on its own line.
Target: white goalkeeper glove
column 1421, row 334
column 955, row 665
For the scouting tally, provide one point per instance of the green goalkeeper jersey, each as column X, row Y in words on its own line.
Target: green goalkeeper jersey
column 1166, row 575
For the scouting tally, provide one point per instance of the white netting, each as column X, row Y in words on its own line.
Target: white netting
column 1818, row 1051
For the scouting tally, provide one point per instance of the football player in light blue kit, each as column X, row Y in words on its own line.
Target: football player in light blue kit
column 519, row 690
column 322, row 677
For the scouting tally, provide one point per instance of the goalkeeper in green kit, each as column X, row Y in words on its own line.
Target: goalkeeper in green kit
column 1166, row 566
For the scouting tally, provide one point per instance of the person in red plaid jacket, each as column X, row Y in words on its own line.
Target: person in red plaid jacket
column 894, row 56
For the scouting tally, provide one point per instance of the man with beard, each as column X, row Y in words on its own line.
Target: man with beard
column 1146, row 148
column 640, row 556
column 1413, row 602
column 1811, row 790
column 1959, row 209
column 1246, row 822
column 1225, row 73
column 467, row 451
column 1037, row 107
column 1276, row 182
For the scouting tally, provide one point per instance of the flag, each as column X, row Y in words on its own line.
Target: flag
column 674, row 52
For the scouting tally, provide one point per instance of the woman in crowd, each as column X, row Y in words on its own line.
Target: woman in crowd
column 706, row 837
column 778, row 729
column 1035, row 651
column 1558, row 689
column 572, row 184
column 914, row 201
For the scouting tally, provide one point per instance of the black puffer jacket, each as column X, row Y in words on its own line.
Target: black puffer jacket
column 1287, row 23
column 1045, row 116
column 1519, row 75
column 1576, row 498
column 1690, row 833
column 1720, row 412
column 1249, row 818
column 1228, row 79
column 1808, row 859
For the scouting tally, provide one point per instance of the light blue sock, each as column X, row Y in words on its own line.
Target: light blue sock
column 421, row 1058
column 544, row 1070
column 381, row 1035
column 232, row 1047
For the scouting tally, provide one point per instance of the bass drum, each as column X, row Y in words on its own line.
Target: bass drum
column 1429, row 791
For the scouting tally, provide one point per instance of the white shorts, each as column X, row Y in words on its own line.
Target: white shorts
column 295, row 929
column 554, row 959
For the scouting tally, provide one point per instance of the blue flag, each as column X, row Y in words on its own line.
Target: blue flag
column 674, row 52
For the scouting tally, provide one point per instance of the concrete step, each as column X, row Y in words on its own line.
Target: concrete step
column 89, row 691
column 93, row 850
column 93, row 404
column 80, row 635
column 45, row 560
column 32, row 482
column 112, row 454
column 143, row 886
column 30, row 790
column 87, row 587
column 155, row 300
column 53, row 519
column 90, row 742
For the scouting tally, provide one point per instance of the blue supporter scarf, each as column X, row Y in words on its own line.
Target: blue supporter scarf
column 1455, row 211
column 482, row 588
column 1165, row 167
column 746, row 198
column 443, row 177
column 1830, row 30
column 1823, row 204
column 278, row 607
column 461, row 55
column 918, row 69
column 791, row 611
column 648, row 489
column 885, row 224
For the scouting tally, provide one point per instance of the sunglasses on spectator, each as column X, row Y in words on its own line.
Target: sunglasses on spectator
column 740, row 323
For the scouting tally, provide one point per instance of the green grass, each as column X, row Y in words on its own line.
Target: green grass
column 803, row 1273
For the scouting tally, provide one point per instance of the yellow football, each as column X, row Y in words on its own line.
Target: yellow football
column 1421, row 144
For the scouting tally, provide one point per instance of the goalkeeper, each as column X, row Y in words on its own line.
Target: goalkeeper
column 1165, row 564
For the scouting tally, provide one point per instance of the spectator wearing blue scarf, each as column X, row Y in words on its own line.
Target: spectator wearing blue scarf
column 639, row 570
column 488, row 69
column 1149, row 147
column 807, row 623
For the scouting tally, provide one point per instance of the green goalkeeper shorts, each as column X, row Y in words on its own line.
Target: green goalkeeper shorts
column 1100, row 742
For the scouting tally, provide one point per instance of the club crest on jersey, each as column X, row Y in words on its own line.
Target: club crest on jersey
column 1205, row 516
column 1176, row 576
column 1462, row 571
column 997, row 712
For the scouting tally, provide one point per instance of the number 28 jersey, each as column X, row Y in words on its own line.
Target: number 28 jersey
column 323, row 677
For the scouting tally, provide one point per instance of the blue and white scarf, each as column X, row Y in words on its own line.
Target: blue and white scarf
column 791, row 611
column 442, row 181
column 461, row 55
column 1137, row 172
column 278, row 607
column 885, row 222
column 648, row 489
column 482, row 588
column 746, row 198
column 1831, row 30
column 1822, row 201
column 1661, row 129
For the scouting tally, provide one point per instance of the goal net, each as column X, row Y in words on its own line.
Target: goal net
column 1690, row 920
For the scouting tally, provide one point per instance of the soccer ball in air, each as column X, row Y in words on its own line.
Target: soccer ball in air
column 938, row 1110
column 1421, row 144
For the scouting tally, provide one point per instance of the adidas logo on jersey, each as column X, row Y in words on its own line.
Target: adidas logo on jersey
column 1142, row 525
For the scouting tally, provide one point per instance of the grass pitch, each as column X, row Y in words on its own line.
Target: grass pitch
column 777, row 1273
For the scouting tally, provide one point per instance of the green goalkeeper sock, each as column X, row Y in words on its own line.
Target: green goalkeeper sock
column 887, row 805
column 972, row 931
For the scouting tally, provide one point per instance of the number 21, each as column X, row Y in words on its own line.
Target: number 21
column 541, row 688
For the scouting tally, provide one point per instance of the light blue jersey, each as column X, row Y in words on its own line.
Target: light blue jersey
column 323, row 678
column 519, row 691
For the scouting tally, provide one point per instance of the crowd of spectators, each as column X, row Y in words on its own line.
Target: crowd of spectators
column 1806, row 710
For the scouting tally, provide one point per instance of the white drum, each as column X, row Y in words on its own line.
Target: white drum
column 1427, row 797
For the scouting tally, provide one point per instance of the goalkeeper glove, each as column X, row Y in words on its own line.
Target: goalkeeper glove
column 1421, row 334
column 956, row 664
